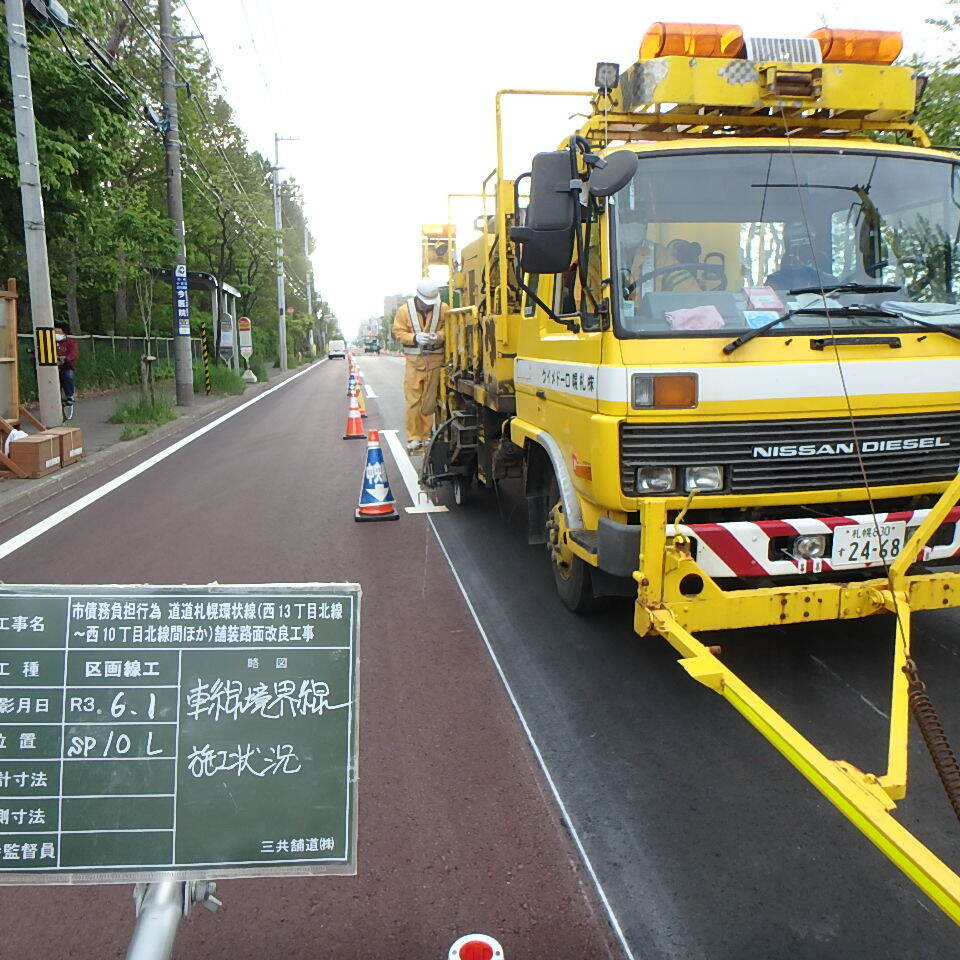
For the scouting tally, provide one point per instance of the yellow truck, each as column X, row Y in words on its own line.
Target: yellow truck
column 714, row 333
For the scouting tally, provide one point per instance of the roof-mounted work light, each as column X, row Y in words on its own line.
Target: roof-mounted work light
column 858, row 46
column 607, row 76
column 692, row 40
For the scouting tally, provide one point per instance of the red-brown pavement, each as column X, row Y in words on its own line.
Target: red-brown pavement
column 457, row 830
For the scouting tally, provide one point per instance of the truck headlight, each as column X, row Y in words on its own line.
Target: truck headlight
column 810, row 546
column 703, row 478
column 656, row 479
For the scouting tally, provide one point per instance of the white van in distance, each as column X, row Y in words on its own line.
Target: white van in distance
column 336, row 349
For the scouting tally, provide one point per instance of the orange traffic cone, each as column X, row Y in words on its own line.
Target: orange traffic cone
column 376, row 498
column 354, row 423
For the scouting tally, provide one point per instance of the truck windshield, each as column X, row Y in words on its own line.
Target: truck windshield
column 716, row 241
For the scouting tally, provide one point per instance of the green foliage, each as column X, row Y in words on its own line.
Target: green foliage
column 223, row 380
column 939, row 112
column 144, row 412
column 133, row 430
column 103, row 370
column 102, row 169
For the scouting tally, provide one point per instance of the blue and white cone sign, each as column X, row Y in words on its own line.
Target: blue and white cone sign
column 376, row 498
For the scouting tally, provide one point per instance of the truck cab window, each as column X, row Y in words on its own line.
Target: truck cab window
column 529, row 304
column 570, row 298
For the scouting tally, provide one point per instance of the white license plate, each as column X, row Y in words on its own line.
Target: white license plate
column 866, row 544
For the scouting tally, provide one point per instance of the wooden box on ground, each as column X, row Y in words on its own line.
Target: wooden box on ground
column 70, row 440
column 37, row 455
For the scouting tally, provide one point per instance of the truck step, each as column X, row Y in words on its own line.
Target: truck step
column 586, row 539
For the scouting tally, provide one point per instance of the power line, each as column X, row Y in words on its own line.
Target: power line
column 201, row 111
column 256, row 49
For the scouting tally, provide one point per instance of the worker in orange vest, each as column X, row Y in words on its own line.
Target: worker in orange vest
column 419, row 326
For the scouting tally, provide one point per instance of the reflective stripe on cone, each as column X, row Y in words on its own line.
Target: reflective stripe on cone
column 354, row 423
column 376, row 498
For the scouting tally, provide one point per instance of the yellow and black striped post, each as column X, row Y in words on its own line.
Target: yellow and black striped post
column 207, row 388
column 46, row 346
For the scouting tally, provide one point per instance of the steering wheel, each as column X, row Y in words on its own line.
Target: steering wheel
column 851, row 275
column 713, row 268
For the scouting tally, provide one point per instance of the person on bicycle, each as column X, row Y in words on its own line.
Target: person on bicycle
column 67, row 353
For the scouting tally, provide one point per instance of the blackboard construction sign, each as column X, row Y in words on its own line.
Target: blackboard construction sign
column 177, row 732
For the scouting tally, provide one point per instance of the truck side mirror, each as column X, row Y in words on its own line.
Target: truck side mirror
column 614, row 175
column 546, row 237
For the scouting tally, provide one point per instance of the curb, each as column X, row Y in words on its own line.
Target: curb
column 67, row 477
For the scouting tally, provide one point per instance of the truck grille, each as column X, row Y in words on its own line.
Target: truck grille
column 771, row 455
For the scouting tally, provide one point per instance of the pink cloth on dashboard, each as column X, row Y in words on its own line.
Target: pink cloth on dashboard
column 696, row 318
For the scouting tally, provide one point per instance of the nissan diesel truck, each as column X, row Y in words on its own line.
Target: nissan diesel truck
column 714, row 333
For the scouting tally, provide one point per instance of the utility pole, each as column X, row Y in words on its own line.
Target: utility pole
column 34, row 228
column 281, row 273
column 306, row 258
column 306, row 255
column 182, row 356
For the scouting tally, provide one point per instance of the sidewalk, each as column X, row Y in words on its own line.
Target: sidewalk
column 102, row 446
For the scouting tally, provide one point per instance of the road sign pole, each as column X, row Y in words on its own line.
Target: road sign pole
column 158, row 919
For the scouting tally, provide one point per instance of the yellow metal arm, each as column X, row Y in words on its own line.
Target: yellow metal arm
column 857, row 795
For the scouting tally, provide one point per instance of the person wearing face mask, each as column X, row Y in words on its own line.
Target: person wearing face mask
column 419, row 326
column 67, row 353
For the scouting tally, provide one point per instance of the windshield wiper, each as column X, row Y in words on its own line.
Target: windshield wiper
column 852, row 310
column 848, row 288
column 757, row 331
column 939, row 327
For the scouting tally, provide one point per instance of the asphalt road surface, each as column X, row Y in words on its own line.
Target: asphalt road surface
column 705, row 841
column 458, row 831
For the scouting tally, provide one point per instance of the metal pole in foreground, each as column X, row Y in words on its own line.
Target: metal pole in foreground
column 182, row 355
column 34, row 229
column 157, row 922
column 160, row 907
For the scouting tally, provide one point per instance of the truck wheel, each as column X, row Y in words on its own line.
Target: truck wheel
column 461, row 490
column 570, row 574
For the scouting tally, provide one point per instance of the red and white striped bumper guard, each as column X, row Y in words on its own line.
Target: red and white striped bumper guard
column 742, row 548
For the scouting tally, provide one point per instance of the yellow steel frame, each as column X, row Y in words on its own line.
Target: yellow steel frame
column 866, row 799
column 605, row 128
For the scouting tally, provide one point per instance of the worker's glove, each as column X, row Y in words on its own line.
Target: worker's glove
column 424, row 339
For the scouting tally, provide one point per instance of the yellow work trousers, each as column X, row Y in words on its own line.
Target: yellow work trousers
column 420, row 390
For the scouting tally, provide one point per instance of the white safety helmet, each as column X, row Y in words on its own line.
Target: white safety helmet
column 428, row 292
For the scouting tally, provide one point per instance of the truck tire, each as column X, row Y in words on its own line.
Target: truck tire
column 571, row 575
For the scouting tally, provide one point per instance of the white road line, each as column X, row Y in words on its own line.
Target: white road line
column 421, row 502
column 48, row 523
column 370, row 394
column 614, row 922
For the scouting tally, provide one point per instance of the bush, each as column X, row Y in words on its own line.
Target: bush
column 103, row 370
column 133, row 430
column 259, row 368
column 223, row 380
column 139, row 411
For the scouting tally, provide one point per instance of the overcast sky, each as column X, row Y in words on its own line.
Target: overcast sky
column 393, row 102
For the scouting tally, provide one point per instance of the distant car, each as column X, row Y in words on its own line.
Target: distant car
column 372, row 346
column 336, row 350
